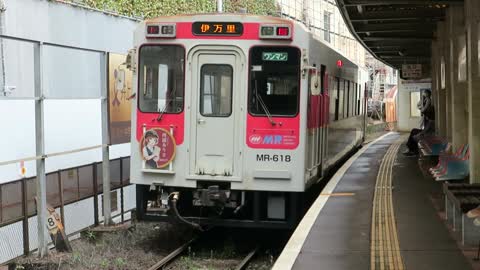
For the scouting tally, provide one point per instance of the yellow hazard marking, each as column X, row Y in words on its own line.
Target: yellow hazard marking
column 384, row 246
column 337, row 194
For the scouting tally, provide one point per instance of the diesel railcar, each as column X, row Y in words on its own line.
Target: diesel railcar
column 236, row 116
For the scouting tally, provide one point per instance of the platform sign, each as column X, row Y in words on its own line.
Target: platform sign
column 56, row 230
column 413, row 71
column 52, row 221
column 157, row 148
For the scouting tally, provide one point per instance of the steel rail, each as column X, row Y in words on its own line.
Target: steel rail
column 172, row 255
column 244, row 263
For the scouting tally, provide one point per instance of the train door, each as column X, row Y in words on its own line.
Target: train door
column 325, row 114
column 314, row 123
column 214, row 113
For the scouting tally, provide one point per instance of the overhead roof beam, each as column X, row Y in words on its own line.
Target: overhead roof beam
column 402, row 39
column 405, row 54
column 419, row 58
column 398, row 35
column 393, row 27
column 401, row 2
column 405, row 46
column 418, row 14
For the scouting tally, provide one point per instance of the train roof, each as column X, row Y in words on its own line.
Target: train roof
column 225, row 17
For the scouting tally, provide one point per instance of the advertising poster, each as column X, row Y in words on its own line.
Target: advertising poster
column 119, row 91
column 157, row 148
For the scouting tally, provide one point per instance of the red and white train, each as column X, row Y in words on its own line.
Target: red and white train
column 236, row 116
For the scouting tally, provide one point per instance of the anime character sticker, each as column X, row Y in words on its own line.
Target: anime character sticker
column 158, row 148
column 151, row 152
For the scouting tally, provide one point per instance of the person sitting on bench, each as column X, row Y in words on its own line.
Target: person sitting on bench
column 428, row 114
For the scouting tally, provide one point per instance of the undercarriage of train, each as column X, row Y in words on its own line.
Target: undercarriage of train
column 215, row 204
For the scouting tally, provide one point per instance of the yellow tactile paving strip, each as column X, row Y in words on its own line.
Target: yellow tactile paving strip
column 384, row 247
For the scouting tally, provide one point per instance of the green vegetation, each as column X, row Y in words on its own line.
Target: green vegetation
column 91, row 236
column 155, row 8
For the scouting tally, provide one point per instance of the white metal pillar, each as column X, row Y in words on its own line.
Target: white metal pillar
column 40, row 152
column 3, row 82
column 107, row 215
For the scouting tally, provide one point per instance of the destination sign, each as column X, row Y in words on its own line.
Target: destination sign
column 275, row 56
column 413, row 71
column 217, row 28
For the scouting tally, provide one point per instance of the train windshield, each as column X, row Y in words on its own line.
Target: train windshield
column 274, row 81
column 161, row 78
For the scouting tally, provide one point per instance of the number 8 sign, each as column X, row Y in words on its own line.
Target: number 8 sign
column 51, row 224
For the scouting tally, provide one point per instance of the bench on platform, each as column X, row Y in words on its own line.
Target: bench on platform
column 453, row 167
column 459, row 199
column 432, row 146
column 447, row 155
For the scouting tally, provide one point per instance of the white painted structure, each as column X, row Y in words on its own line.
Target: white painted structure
column 71, row 42
column 407, row 111
column 68, row 74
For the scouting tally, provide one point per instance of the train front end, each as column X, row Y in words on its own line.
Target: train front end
column 219, row 119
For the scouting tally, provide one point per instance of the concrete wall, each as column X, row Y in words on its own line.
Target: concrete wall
column 458, row 105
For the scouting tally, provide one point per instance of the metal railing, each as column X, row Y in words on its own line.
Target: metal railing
column 66, row 186
column 39, row 118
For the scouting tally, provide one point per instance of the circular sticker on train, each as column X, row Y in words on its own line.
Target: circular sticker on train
column 158, row 148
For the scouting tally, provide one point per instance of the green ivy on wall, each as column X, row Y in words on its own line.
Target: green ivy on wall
column 156, row 8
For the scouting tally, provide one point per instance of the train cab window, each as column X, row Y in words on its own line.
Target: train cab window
column 216, row 90
column 161, row 78
column 274, row 81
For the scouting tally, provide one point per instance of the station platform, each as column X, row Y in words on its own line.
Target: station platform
column 377, row 212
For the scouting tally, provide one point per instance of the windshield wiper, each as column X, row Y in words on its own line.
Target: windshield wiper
column 264, row 107
column 164, row 109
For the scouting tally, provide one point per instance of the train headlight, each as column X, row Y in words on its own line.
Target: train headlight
column 161, row 30
column 273, row 31
column 267, row 31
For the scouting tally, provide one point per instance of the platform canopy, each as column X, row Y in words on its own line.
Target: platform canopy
column 396, row 31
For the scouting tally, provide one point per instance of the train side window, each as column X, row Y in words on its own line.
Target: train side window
column 161, row 78
column 358, row 98
column 333, row 97
column 322, row 78
column 274, row 81
column 216, row 90
column 337, row 98
column 354, row 99
column 346, row 98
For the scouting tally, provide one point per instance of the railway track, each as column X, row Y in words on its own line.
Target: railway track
column 163, row 263
column 174, row 254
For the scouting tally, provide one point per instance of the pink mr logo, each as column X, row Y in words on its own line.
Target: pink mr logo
column 272, row 139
